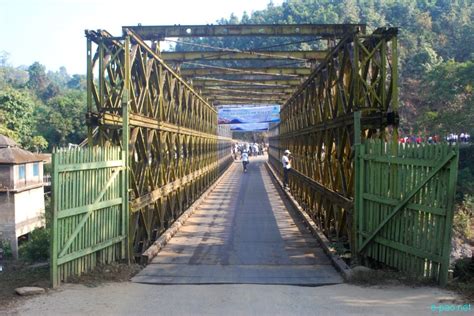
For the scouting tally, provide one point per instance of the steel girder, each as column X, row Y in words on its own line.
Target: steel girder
column 180, row 57
column 174, row 152
column 207, row 70
column 317, row 125
column 323, row 30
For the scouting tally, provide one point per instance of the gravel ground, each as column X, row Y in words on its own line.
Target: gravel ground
column 131, row 298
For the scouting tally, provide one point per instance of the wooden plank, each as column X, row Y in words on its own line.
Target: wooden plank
column 412, row 206
column 90, row 165
column 89, row 208
column 84, row 252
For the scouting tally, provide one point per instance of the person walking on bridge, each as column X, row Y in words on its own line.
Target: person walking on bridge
column 245, row 159
column 286, row 161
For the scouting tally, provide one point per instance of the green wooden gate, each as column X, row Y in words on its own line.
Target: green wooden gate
column 404, row 205
column 90, row 210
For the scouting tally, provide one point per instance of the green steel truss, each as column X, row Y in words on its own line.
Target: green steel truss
column 317, row 125
column 174, row 152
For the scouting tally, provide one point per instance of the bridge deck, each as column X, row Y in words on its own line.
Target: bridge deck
column 242, row 233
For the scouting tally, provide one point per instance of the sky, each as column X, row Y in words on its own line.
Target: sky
column 52, row 31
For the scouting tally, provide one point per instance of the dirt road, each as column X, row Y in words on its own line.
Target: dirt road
column 142, row 299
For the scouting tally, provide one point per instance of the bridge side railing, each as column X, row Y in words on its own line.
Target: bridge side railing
column 174, row 152
column 317, row 126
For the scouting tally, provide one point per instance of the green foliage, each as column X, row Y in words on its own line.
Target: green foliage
column 16, row 113
column 37, row 77
column 448, row 91
column 62, row 119
column 463, row 217
column 7, row 249
column 37, row 248
column 38, row 144
column 464, row 269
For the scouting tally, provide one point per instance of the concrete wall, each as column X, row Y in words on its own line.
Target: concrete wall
column 6, row 176
column 7, row 220
column 29, row 210
column 20, row 213
column 30, row 179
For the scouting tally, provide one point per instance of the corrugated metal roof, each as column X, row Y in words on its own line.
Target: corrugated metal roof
column 7, row 142
column 10, row 153
column 15, row 155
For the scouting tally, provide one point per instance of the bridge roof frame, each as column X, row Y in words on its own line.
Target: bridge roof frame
column 217, row 72
column 159, row 32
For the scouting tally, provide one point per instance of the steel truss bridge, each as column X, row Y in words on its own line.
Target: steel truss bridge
column 160, row 108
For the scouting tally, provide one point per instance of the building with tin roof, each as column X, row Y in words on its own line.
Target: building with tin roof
column 21, row 192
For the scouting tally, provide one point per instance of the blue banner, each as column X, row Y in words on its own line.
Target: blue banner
column 249, row 114
column 249, row 127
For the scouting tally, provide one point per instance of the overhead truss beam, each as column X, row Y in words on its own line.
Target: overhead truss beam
column 177, row 57
column 274, row 71
column 159, row 32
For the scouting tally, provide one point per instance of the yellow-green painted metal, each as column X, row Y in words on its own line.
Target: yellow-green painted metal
column 179, row 57
column 173, row 150
column 207, row 70
column 159, row 32
column 317, row 126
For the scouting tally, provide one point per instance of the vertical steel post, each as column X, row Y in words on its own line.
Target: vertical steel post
column 356, row 74
column 101, row 74
column 356, row 212
column 125, row 151
column 90, row 79
column 394, row 78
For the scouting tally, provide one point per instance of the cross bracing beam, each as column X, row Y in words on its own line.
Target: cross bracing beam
column 176, row 57
column 209, row 80
column 159, row 32
column 242, row 98
column 252, row 71
column 246, row 90
column 241, row 103
column 249, row 92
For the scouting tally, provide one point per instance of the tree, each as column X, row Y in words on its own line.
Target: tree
column 77, row 82
column 37, row 77
column 448, row 90
column 62, row 119
column 16, row 109
column 38, row 144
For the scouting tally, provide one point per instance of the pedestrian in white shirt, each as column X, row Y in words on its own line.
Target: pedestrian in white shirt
column 286, row 161
column 245, row 159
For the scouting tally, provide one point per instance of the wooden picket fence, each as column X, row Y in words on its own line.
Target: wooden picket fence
column 404, row 196
column 90, row 210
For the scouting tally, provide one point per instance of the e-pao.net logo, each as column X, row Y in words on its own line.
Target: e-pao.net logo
column 450, row 308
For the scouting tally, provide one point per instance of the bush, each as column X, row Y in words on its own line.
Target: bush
column 465, row 183
column 464, row 269
column 463, row 217
column 7, row 249
column 37, row 247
